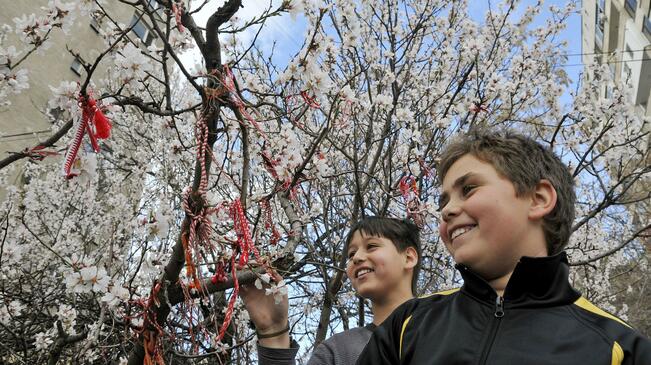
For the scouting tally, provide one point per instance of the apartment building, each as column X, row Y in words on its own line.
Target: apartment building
column 618, row 33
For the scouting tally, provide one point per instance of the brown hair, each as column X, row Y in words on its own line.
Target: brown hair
column 525, row 163
column 403, row 233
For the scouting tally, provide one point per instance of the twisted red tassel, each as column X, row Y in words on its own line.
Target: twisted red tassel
column 71, row 154
column 91, row 116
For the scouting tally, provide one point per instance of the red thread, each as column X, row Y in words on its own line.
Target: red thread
column 409, row 190
column 38, row 153
column 102, row 125
column 310, row 100
column 307, row 99
column 269, row 224
column 476, row 108
column 270, row 164
column 178, row 12
column 229, row 84
column 241, row 227
column 231, row 303
column 92, row 121
column 220, row 274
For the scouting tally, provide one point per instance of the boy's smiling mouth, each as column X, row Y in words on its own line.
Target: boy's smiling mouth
column 458, row 231
column 361, row 272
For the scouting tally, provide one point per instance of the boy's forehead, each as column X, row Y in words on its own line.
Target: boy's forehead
column 364, row 235
column 466, row 166
column 360, row 236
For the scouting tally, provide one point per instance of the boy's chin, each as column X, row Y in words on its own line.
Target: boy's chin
column 464, row 258
column 369, row 293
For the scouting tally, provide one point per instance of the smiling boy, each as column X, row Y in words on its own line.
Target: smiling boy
column 382, row 266
column 507, row 207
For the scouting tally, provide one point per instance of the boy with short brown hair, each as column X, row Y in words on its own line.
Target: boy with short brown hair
column 507, row 207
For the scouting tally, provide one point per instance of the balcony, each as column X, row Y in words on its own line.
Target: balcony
column 630, row 6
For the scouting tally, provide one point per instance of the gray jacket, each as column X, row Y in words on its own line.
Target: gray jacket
column 340, row 349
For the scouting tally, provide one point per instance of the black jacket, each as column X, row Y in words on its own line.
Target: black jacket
column 540, row 320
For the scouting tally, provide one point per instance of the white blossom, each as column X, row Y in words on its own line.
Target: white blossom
column 278, row 291
column 42, row 341
column 116, row 296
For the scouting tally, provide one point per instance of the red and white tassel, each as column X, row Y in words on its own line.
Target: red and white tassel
column 92, row 121
column 71, row 154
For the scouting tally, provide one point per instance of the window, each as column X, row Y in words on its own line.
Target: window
column 600, row 21
column 646, row 26
column 626, row 74
column 153, row 5
column 609, row 88
column 630, row 6
column 142, row 30
column 96, row 22
column 77, row 67
column 56, row 114
column 629, row 51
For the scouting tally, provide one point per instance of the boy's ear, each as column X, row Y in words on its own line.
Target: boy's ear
column 411, row 257
column 543, row 200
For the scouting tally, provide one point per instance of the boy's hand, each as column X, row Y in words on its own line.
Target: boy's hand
column 268, row 316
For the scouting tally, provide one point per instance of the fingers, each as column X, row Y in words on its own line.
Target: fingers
column 244, row 292
column 275, row 276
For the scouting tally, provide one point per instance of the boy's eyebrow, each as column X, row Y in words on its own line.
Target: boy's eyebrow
column 443, row 198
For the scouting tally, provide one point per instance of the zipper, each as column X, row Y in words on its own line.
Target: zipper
column 494, row 326
column 499, row 307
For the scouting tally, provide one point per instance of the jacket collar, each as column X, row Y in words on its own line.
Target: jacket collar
column 535, row 282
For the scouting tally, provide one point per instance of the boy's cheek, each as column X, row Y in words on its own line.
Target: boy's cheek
column 348, row 273
column 443, row 231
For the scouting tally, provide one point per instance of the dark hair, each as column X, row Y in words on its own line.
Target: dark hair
column 403, row 233
column 525, row 163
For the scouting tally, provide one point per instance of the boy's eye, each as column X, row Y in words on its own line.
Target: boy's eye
column 466, row 189
column 351, row 254
column 440, row 207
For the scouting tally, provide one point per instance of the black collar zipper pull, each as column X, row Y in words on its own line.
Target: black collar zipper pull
column 499, row 307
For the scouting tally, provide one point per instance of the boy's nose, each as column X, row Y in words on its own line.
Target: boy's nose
column 450, row 210
column 357, row 258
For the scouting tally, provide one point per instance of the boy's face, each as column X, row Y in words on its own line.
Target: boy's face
column 375, row 267
column 485, row 226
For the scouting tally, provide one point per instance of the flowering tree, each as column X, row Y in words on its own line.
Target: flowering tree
column 257, row 161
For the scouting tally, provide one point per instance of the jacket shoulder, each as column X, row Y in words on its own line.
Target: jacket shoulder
column 344, row 346
column 628, row 346
column 440, row 294
column 599, row 316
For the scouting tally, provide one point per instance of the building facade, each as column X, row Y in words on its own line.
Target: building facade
column 25, row 122
column 618, row 33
